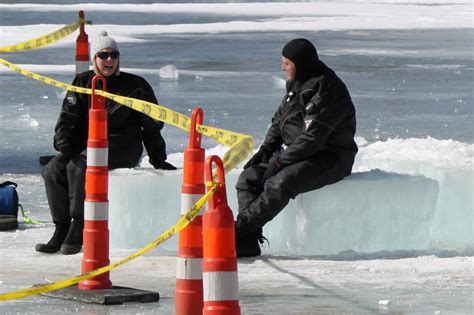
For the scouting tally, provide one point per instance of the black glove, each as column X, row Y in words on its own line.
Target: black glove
column 263, row 155
column 164, row 166
column 272, row 169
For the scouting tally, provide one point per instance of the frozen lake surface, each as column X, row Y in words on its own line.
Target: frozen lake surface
column 268, row 285
column 407, row 63
column 408, row 77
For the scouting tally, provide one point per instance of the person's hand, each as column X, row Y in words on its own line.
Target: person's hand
column 164, row 166
column 272, row 169
column 263, row 155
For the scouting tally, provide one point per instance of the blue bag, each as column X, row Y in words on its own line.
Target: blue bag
column 8, row 206
column 8, row 199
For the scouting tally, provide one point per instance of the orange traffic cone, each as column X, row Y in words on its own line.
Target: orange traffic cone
column 82, row 47
column 188, row 294
column 96, row 215
column 96, row 207
column 220, row 277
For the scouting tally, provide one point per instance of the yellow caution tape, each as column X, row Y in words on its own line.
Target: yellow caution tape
column 240, row 145
column 181, row 224
column 44, row 40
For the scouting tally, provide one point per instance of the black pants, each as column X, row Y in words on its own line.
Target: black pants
column 260, row 201
column 64, row 179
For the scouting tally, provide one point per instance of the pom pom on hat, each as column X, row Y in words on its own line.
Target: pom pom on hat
column 102, row 41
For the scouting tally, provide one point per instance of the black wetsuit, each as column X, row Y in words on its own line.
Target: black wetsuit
column 64, row 175
column 312, row 136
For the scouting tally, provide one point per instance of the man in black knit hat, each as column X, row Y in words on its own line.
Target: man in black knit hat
column 310, row 144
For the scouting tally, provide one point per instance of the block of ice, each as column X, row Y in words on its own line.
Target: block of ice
column 367, row 212
column 143, row 204
column 28, row 120
column 404, row 194
column 448, row 162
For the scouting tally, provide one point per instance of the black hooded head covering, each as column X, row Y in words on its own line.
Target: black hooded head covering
column 304, row 56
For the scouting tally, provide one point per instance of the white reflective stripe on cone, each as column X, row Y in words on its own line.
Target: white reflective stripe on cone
column 221, row 286
column 82, row 66
column 188, row 200
column 97, row 156
column 189, row 268
column 96, row 211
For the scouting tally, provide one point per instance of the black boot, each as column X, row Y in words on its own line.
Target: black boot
column 73, row 242
column 247, row 243
column 248, row 247
column 56, row 241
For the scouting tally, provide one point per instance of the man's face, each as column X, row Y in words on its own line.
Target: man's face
column 288, row 66
column 107, row 61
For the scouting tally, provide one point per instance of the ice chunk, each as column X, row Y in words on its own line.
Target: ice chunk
column 427, row 208
column 33, row 123
column 143, row 204
column 448, row 162
column 26, row 118
column 368, row 212
column 168, row 72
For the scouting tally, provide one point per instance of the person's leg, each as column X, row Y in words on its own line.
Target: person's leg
column 288, row 183
column 291, row 181
column 262, row 209
column 249, row 185
column 76, row 172
column 57, row 193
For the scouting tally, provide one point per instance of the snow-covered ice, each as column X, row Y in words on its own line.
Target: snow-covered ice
column 268, row 285
column 408, row 65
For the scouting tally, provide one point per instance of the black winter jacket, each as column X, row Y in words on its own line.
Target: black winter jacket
column 316, row 115
column 127, row 128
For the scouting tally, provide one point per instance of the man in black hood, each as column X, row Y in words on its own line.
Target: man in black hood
column 310, row 144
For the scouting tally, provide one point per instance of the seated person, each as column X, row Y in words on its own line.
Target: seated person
column 64, row 175
column 309, row 144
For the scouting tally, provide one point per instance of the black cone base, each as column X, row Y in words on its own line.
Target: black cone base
column 112, row 296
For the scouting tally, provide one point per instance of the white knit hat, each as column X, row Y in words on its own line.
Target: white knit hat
column 102, row 41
